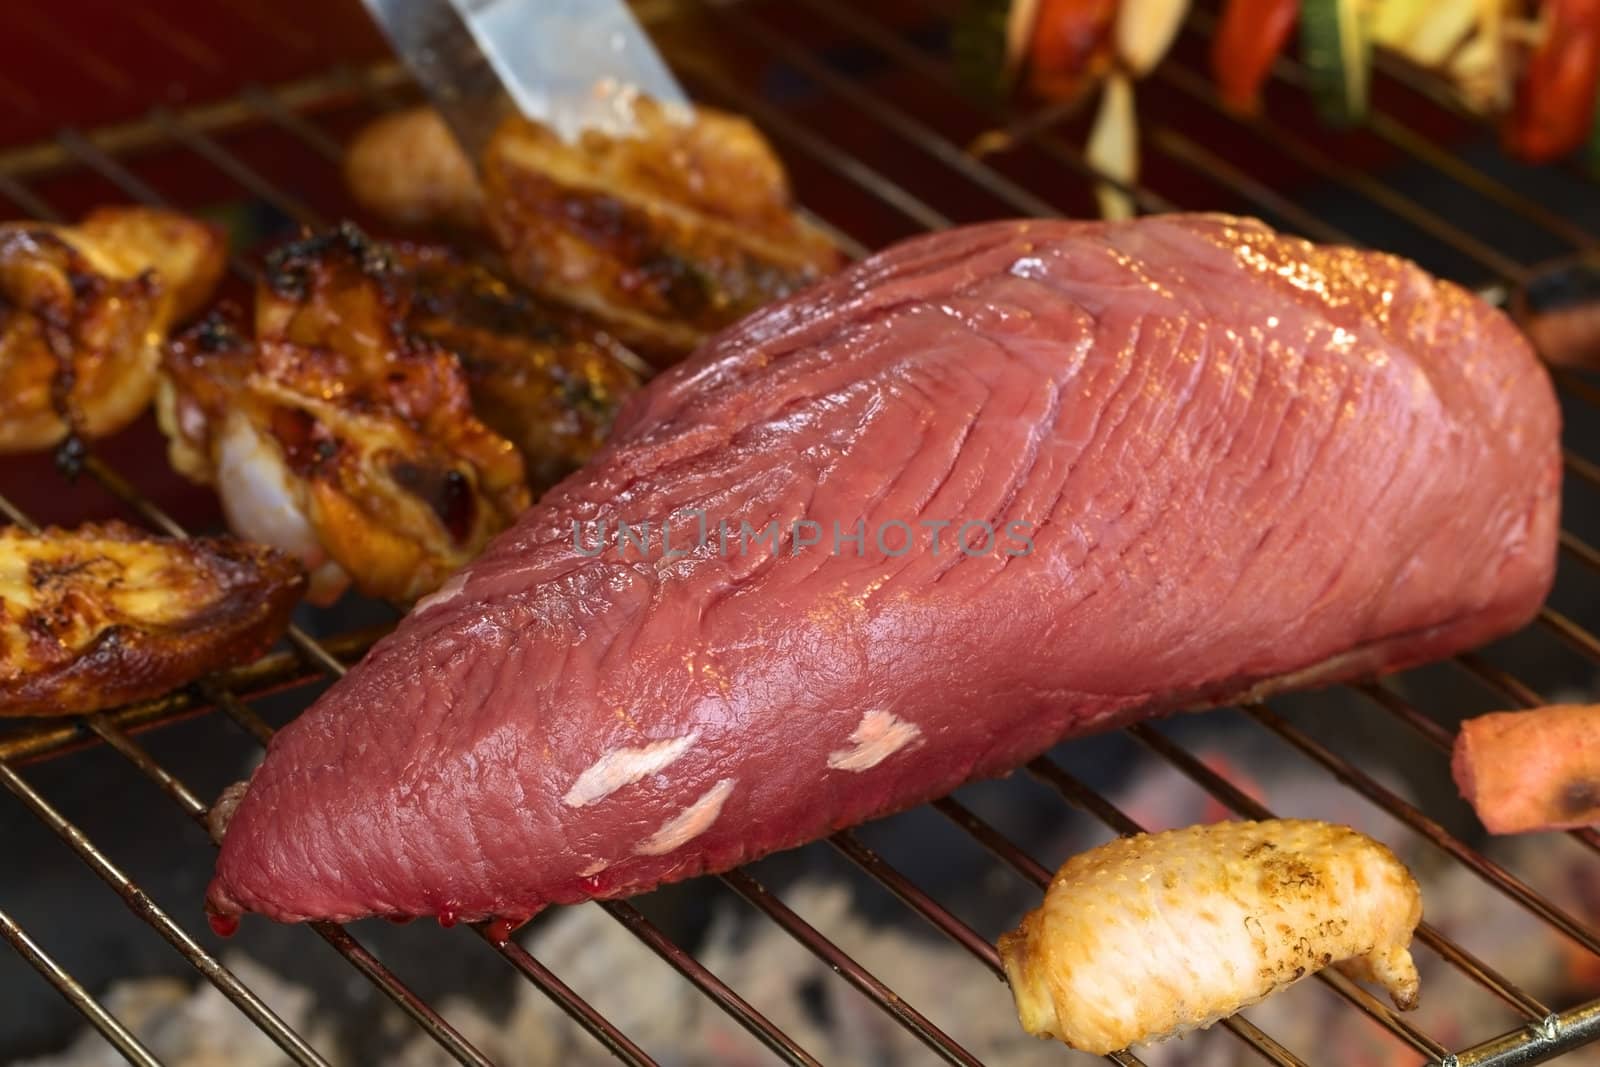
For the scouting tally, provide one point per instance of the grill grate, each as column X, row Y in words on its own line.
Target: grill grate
column 292, row 112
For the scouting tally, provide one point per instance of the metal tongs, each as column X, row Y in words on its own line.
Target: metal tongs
column 572, row 65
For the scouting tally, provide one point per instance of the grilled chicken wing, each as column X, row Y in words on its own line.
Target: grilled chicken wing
column 540, row 375
column 103, row 615
column 336, row 433
column 665, row 236
column 83, row 312
column 1148, row 937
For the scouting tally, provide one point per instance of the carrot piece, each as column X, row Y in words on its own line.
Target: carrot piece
column 1556, row 97
column 1251, row 35
column 1531, row 770
column 1071, row 47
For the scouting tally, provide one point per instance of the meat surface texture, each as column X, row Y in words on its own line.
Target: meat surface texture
column 1531, row 770
column 1151, row 936
column 1219, row 461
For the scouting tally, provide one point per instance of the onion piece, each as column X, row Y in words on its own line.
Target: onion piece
column 1113, row 148
column 1481, row 68
column 1019, row 30
column 1446, row 24
column 1145, row 30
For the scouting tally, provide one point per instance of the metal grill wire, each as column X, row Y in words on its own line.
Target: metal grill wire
column 291, row 111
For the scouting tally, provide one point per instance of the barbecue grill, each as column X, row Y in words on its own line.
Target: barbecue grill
column 861, row 102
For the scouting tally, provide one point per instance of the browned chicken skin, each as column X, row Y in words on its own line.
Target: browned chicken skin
column 103, row 615
column 540, row 375
column 83, row 312
column 665, row 236
column 336, row 432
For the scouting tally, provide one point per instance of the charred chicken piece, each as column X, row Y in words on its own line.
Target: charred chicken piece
column 540, row 375
column 665, row 236
column 337, row 434
column 1148, row 937
column 83, row 312
column 102, row 615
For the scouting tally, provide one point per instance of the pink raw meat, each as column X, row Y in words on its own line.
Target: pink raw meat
column 1246, row 462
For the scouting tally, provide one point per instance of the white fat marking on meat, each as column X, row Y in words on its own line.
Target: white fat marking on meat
column 689, row 823
column 443, row 595
column 593, row 869
column 1028, row 267
column 878, row 736
column 221, row 812
column 624, row 766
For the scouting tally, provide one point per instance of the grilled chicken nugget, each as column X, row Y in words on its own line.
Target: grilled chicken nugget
column 1148, row 937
